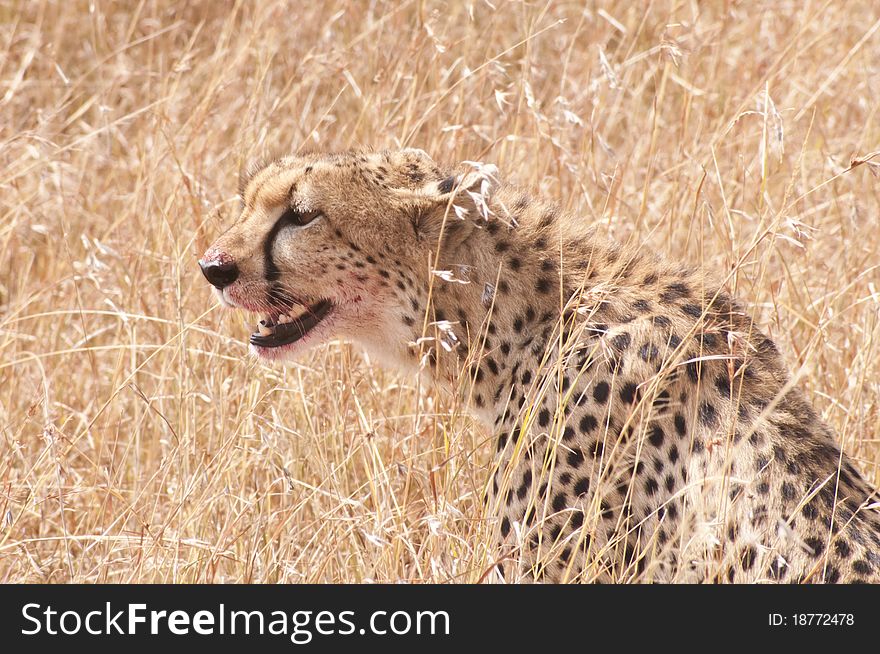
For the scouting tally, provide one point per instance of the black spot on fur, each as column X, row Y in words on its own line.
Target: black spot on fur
column 621, row 342
column 656, row 437
column 576, row 458
column 815, row 544
column 748, row 558
column 708, row 415
column 544, row 418
column 648, row 352
column 861, row 567
column 675, row 292
column 709, row 340
column 588, row 423
column 809, row 511
column 777, row 569
column 559, row 502
column 693, row 371
column 692, row 310
column 680, row 426
column 600, row 392
column 446, row 185
column 641, row 306
column 661, row 401
column 628, row 393
column 615, row 364
column 525, row 486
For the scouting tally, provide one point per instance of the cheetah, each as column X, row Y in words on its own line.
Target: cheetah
column 644, row 428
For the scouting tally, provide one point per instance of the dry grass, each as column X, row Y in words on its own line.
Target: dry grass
column 139, row 442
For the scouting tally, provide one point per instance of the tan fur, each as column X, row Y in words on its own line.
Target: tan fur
column 644, row 426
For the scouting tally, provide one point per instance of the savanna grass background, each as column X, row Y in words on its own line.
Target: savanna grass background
column 140, row 442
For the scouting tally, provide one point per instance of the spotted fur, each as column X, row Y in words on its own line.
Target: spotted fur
column 644, row 426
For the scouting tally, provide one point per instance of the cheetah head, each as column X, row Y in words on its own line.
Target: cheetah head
column 324, row 245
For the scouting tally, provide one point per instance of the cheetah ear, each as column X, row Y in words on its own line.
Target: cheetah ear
column 418, row 153
column 449, row 209
column 251, row 169
column 466, row 195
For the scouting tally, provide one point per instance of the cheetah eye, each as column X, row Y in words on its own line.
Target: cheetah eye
column 298, row 218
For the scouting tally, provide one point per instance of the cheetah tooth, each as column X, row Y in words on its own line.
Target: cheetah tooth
column 284, row 319
column 264, row 329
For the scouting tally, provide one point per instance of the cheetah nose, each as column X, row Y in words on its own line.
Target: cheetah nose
column 220, row 274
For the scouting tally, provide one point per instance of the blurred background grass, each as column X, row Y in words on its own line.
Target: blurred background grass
column 139, row 442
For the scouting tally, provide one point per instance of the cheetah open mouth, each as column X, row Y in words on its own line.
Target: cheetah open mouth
column 276, row 330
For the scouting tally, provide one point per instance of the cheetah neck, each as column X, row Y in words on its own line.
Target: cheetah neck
column 495, row 308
